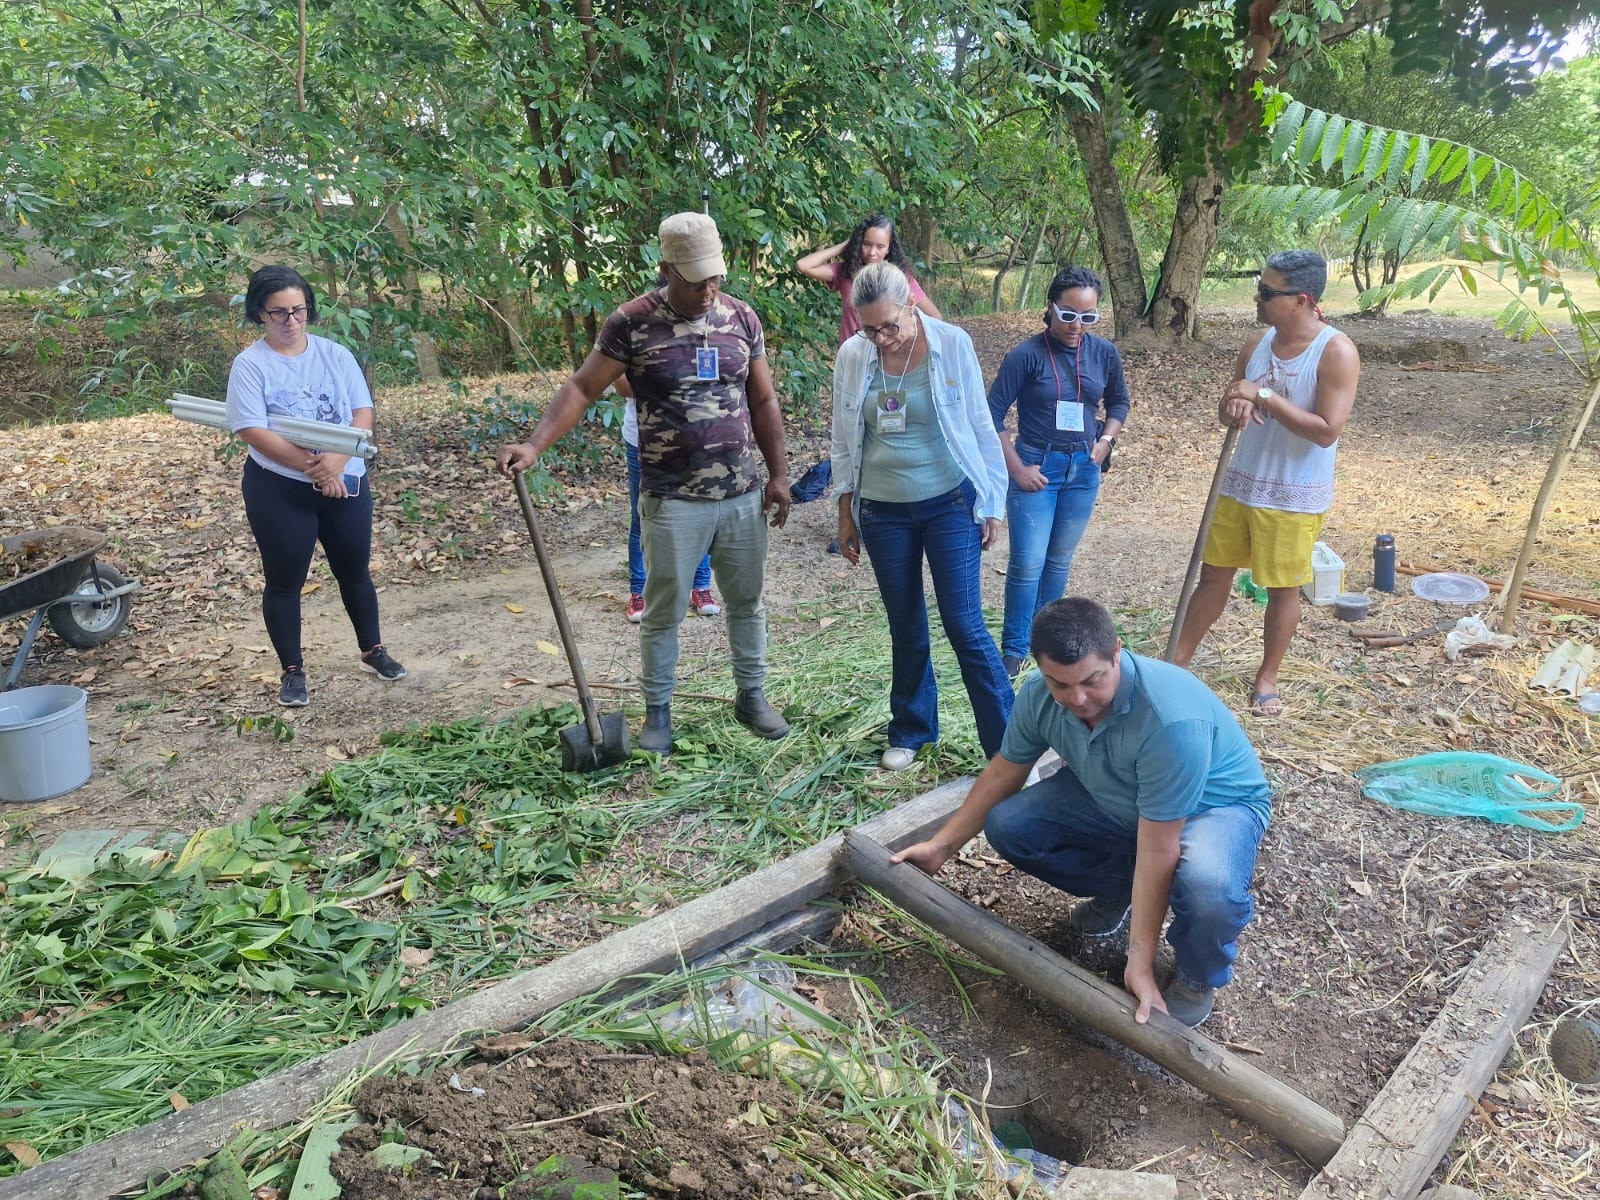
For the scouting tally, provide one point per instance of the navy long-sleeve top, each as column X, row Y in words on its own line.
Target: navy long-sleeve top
column 1090, row 376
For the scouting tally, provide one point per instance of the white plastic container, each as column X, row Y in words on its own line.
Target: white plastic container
column 1328, row 576
column 44, row 743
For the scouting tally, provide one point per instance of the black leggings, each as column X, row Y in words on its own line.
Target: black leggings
column 289, row 517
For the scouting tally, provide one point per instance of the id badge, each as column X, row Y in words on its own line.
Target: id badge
column 1069, row 416
column 705, row 363
column 891, row 412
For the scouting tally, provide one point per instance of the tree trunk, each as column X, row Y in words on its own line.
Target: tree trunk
column 421, row 340
column 1033, row 257
column 1194, row 233
column 1582, row 414
column 1005, row 265
column 1118, row 249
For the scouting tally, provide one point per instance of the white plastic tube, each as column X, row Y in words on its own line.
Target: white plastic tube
column 312, row 435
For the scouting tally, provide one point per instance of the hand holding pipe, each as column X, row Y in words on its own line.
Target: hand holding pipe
column 310, row 435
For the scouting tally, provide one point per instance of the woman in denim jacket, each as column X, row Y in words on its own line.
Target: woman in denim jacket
column 920, row 474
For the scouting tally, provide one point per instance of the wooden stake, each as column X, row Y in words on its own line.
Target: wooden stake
column 1406, row 1129
column 707, row 923
column 1300, row 1123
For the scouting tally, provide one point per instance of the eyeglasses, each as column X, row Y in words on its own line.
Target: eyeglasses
column 710, row 281
column 284, row 315
column 890, row 329
column 1264, row 293
column 1069, row 317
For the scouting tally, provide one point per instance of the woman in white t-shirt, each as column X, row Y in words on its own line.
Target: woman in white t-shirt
column 293, row 497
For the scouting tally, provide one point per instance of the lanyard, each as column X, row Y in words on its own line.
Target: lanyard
column 1077, row 367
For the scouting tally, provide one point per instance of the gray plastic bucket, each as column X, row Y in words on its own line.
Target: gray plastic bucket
column 44, row 742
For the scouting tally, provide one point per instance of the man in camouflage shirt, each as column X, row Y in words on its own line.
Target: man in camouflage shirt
column 696, row 360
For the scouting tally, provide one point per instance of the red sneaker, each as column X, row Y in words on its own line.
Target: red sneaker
column 635, row 608
column 704, row 602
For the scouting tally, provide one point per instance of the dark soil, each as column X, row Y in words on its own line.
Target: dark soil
column 665, row 1126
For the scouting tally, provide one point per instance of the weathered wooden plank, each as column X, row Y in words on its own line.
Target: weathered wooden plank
column 1295, row 1120
column 652, row 947
column 1410, row 1124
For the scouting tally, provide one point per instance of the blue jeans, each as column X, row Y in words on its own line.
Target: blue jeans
column 896, row 537
column 702, row 573
column 1045, row 528
column 1056, row 832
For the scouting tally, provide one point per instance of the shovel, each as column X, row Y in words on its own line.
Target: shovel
column 600, row 741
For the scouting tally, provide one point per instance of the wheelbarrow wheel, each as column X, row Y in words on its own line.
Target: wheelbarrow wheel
column 89, row 622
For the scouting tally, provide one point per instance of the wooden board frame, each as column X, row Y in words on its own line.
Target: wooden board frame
column 1410, row 1124
column 654, row 947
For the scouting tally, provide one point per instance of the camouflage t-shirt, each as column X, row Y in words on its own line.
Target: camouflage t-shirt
column 695, row 437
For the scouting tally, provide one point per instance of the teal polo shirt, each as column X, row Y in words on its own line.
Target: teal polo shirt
column 1167, row 749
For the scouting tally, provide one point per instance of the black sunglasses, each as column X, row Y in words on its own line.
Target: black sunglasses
column 1263, row 292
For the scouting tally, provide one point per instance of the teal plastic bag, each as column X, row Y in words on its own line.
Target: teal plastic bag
column 1458, row 784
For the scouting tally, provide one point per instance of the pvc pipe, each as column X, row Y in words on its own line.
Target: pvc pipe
column 312, row 435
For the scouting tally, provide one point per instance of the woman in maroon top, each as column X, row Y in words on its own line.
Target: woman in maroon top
column 873, row 241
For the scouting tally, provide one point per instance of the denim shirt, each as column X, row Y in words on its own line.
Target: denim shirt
column 959, row 399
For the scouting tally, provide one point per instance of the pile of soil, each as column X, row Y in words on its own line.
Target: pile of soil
column 667, row 1126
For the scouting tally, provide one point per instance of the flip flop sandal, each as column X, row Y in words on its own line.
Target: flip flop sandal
column 1265, row 704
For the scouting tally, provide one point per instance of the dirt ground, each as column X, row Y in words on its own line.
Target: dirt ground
column 1366, row 916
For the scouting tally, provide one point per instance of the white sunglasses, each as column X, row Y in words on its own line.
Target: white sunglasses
column 1067, row 317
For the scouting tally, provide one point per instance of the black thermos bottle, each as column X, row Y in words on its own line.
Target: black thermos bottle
column 1383, row 563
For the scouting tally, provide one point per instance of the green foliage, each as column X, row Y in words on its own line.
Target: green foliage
column 521, row 153
column 1486, row 51
column 1495, row 224
column 146, row 976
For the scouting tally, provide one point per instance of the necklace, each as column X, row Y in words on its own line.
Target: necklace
column 697, row 325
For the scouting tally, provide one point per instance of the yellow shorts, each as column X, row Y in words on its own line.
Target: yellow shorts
column 1275, row 545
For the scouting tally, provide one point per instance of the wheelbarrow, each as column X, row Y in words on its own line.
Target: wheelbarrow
column 53, row 574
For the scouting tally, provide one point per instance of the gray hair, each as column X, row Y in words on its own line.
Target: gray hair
column 1302, row 270
column 880, row 281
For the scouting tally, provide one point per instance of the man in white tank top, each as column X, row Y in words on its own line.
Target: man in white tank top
column 1293, row 388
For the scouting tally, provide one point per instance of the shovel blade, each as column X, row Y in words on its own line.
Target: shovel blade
column 579, row 753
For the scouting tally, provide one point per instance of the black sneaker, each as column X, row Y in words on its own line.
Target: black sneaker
column 1189, row 1003
column 292, row 692
column 377, row 661
column 1101, row 916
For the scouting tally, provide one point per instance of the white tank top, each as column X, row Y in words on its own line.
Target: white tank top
column 1272, row 467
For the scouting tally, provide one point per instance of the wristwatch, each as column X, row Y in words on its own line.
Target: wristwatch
column 1263, row 394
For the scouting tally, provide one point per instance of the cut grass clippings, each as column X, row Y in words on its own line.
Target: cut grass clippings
column 397, row 881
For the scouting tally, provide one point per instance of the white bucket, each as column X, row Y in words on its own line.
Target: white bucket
column 44, row 743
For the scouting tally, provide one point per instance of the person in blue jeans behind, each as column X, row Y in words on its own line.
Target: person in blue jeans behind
column 701, row 598
column 919, row 475
column 1071, row 400
column 1160, row 803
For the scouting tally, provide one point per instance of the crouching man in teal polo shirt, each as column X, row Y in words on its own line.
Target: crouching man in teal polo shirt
column 1160, row 803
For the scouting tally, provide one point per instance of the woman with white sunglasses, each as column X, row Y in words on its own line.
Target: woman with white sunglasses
column 1071, row 400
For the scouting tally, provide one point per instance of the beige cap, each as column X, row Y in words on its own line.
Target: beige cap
column 689, row 241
